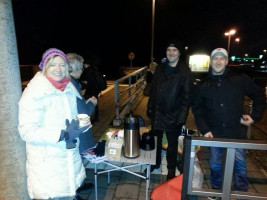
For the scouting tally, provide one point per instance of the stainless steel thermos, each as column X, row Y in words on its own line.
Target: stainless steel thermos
column 131, row 136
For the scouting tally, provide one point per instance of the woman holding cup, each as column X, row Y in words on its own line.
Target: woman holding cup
column 48, row 125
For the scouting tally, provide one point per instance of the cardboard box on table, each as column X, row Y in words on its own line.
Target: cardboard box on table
column 113, row 148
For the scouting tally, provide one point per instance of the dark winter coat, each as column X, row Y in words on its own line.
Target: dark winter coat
column 170, row 97
column 218, row 104
column 91, row 88
column 86, row 139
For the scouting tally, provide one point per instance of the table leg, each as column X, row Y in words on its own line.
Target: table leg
column 108, row 177
column 95, row 173
column 147, row 180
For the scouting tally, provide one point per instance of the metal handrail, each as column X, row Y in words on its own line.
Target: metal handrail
column 230, row 145
column 126, row 105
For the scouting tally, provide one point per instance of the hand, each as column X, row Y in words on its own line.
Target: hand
column 208, row 135
column 71, row 144
column 72, row 131
column 246, row 120
column 93, row 100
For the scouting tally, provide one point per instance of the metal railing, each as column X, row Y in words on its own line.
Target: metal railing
column 230, row 145
column 127, row 94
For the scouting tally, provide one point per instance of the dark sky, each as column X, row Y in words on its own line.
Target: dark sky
column 117, row 27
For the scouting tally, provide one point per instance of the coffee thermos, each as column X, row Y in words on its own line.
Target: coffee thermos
column 131, row 136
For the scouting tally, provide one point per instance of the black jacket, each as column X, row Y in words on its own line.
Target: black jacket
column 218, row 104
column 170, row 97
column 91, row 88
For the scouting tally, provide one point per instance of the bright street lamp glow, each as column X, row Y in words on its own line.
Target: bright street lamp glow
column 228, row 34
column 232, row 32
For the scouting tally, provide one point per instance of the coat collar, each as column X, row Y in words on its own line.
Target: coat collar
column 41, row 86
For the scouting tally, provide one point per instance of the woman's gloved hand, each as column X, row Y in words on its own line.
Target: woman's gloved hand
column 71, row 133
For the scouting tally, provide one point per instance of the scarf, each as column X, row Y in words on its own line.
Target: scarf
column 60, row 85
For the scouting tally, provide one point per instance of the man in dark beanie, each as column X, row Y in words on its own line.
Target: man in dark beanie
column 169, row 103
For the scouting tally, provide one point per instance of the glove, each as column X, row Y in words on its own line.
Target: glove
column 71, row 144
column 71, row 133
column 100, row 149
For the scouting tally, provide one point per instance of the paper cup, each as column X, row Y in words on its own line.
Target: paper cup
column 84, row 120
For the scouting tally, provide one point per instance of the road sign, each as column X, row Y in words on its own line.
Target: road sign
column 131, row 56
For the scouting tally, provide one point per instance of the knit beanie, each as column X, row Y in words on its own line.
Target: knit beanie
column 51, row 52
column 175, row 43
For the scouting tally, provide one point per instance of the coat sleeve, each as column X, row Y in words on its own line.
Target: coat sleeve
column 31, row 130
column 256, row 94
column 198, row 111
column 185, row 99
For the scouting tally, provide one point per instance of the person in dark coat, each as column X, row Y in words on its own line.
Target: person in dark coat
column 88, row 78
column 169, row 103
column 84, row 106
column 150, row 72
column 218, row 108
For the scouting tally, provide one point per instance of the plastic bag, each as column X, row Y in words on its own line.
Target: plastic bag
column 198, row 175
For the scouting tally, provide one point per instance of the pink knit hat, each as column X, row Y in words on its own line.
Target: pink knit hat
column 51, row 52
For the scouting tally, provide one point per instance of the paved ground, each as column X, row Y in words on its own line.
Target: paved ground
column 125, row 186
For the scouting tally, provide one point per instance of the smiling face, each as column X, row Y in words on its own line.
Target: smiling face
column 172, row 56
column 218, row 64
column 56, row 68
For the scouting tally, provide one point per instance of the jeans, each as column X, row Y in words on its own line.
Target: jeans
column 240, row 169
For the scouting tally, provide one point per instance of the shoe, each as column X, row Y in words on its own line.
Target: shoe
column 170, row 175
column 213, row 198
column 85, row 186
column 153, row 167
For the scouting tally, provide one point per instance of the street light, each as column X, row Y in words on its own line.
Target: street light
column 152, row 30
column 237, row 40
column 231, row 32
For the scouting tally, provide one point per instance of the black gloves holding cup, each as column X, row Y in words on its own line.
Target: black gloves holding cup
column 71, row 133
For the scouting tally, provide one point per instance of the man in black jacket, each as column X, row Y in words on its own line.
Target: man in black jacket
column 169, row 103
column 218, row 108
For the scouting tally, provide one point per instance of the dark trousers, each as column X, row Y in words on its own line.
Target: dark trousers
column 172, row 137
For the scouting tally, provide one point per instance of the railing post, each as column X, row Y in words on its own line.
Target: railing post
column 117, row 120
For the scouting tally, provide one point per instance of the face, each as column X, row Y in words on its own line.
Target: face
column 218, row 64
column 76, row 72
column 57, row 69
column 172, row 55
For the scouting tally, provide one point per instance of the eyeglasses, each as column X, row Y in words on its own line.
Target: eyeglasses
column 80, row 69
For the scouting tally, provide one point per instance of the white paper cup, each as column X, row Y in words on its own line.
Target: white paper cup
column 84, row 120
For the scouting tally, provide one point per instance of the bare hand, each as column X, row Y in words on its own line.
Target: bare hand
column 246, row 120
column 93, row 100
column 208, row 135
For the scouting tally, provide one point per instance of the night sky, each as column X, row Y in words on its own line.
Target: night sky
column 117, row 27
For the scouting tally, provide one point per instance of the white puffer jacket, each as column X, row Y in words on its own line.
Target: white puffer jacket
column 52, row 170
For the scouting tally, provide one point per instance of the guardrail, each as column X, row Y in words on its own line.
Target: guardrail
column 230, row 145
column 126, row 98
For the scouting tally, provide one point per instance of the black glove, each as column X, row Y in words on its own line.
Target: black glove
column 100, row 149
column 71, row 133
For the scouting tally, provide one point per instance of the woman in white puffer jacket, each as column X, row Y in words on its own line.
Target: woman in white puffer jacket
column 53, row 171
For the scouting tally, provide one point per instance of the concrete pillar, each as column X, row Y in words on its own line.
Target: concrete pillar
column 12, row 148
